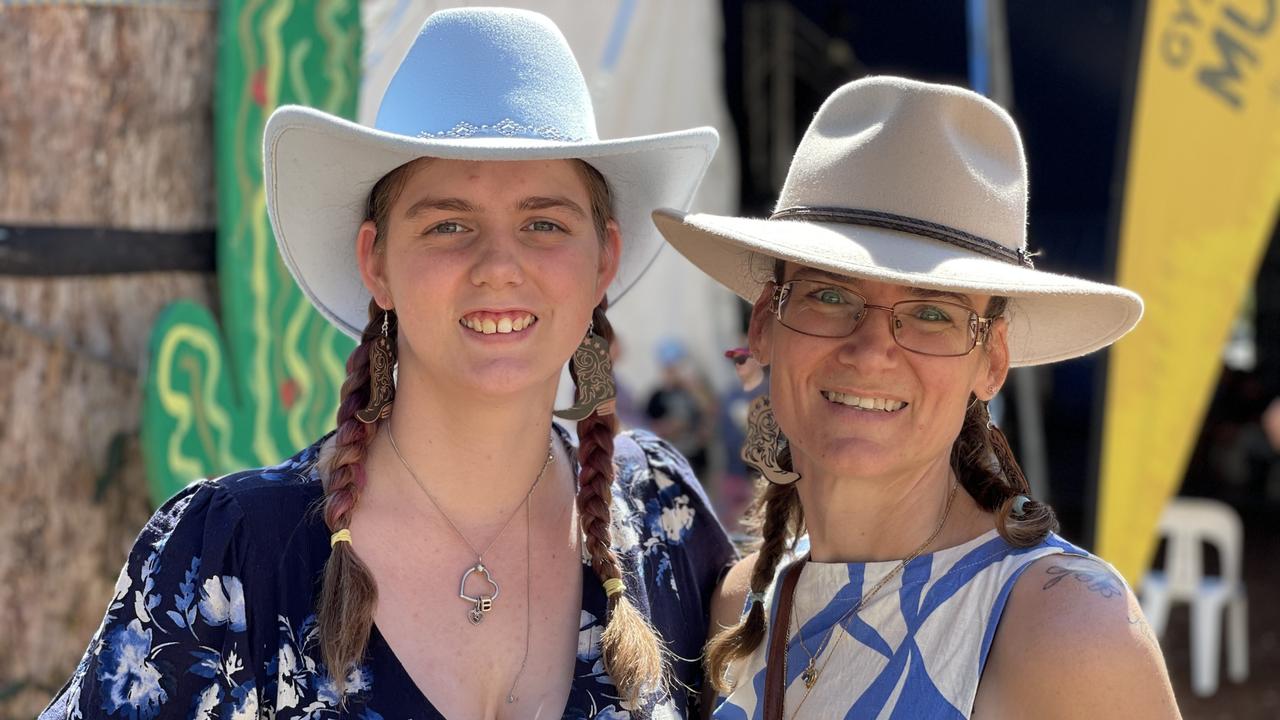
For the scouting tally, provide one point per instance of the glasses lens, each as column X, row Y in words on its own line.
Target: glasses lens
column 934, row 328
column 928, row 327
column 822, row 309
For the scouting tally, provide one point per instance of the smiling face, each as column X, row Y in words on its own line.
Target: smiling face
column 863, row 405
column 493, row 269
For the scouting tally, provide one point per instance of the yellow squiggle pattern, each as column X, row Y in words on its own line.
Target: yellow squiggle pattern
column 297, row 73
column 263, row 251
column 340, row 45
column 298, row 369
column 334, row 364
column 179, row 407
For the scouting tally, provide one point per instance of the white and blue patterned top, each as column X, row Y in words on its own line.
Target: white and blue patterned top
column 915, row 651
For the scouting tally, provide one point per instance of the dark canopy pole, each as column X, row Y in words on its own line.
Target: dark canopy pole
column 1128, row 98
column 989, row 74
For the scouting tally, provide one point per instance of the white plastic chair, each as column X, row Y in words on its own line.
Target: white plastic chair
column 1186, row 525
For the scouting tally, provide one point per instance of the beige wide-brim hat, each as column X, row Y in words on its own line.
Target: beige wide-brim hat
column 914, row 184
column 487, row 84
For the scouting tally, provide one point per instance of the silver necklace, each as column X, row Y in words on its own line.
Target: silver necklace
column 481, row 603
column 528, row 600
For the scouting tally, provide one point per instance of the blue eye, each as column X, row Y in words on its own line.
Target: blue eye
column 932, row 313
column 829, row 296
column 544, row 226
column 446, row 228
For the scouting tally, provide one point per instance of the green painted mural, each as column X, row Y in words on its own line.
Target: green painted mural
column 262, row 383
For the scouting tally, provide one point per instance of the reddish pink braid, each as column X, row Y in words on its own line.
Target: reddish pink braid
column 349, row 594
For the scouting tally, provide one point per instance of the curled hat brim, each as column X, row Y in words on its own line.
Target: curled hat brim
column 1052, row 317
column 319, row 170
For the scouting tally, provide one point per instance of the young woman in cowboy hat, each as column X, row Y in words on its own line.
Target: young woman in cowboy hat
column 893, row 292
column 470, row 241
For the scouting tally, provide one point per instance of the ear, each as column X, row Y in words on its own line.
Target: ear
column 997, row 352
column 760, row 331
column 372, row 260
column 610, row 257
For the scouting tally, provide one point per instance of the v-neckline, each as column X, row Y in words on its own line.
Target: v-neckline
column 590, row 584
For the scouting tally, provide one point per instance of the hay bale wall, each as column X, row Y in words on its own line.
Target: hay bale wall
column 105, row 121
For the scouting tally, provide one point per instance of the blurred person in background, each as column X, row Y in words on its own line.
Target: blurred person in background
column 469, row 241
column 630, row 416
column 904, row 568
column 682, row 409
column 734, row 489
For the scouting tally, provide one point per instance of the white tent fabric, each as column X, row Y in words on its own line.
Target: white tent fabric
column 652, row 66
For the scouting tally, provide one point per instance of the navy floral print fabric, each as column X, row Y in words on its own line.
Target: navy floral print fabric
column 213, row 613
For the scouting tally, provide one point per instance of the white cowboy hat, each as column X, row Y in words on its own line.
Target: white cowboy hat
column 914, row 184
column 477, row 84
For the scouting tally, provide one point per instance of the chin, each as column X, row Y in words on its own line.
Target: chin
column 847, row 457
column 504, row 377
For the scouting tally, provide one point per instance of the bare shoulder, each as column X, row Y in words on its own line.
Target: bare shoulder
column 1073, row 642
column 731, row 595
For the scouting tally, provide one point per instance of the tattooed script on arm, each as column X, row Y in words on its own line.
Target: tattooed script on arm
column 1097, row 580
column 1101, row 581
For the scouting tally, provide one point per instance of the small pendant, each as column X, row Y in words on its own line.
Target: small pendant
column 480, row 604
column 810, row 675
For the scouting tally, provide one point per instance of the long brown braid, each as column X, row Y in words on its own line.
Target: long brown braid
column 777, row 517
column 349, row 595
column 990, row 474
column 632, row 654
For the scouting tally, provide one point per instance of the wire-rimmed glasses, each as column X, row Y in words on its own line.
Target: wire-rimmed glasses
column 926, row 326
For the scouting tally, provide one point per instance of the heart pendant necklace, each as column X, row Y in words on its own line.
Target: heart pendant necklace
column 482, row 602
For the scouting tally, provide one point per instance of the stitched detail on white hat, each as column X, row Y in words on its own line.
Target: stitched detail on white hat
column 505, row 127
column 902, row 223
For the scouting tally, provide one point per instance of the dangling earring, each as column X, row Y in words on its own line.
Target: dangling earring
column 593, row 372
column 766, row 448
column 382, row 388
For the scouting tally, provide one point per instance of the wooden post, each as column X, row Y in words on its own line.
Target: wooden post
column 105, row 121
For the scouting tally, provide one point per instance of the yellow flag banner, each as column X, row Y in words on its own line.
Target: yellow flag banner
column 1200, row 200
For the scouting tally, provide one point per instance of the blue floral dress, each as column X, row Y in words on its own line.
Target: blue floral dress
column 213, row 614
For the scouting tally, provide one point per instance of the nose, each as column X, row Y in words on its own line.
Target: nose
column 871, row 343
column 497, row 263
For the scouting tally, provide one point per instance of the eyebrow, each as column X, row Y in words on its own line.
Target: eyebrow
column 927, row 293
column 852, row 282
column 816, row 274
column 535, row 202
column 546, row 202
column 433, row 203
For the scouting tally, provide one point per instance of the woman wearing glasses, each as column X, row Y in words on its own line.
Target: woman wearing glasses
column 892, row 292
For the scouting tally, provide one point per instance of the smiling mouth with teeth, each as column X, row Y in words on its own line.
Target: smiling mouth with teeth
column 498, row 323
column 867, row 403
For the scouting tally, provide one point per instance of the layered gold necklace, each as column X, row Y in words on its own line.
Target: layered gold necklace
column 812, row 671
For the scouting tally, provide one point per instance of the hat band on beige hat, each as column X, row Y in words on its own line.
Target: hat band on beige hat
column 902, row 223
